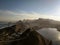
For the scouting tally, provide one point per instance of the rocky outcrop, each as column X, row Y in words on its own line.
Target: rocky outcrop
column 28, row 37
column 20, row 26
column 34, row 38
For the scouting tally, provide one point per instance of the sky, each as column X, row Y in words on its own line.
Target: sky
column 13, row 10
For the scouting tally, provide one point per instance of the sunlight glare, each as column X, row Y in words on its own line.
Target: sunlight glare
column 59, row 37
column 58, row 10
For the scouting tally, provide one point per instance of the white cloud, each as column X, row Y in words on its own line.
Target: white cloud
column 14, row 16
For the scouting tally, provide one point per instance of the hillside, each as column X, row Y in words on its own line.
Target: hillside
column 28, row 37
column 20, row 34
column 23, row 32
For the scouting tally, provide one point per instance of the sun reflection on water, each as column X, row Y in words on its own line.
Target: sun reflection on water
column 58, row 36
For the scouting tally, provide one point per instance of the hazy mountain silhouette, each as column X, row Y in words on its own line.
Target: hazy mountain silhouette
column 42, row 23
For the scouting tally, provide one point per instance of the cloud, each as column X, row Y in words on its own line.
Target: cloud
column 6, row 15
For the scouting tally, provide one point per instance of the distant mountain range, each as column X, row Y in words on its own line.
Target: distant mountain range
column 36, row 24
column 43, row 23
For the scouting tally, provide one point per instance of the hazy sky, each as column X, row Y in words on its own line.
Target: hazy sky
column 12, row 10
